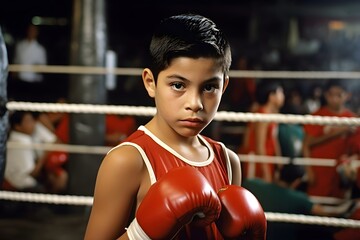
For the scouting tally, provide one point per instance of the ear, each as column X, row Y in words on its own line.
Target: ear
column 149, row 82
column 226, row 83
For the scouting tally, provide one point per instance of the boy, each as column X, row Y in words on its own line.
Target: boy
column 145, row 184
column 25, row 169
column 261, row 138
column 328, row 141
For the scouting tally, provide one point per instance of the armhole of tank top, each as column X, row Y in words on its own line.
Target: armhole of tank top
column 144, row 157
column 227, row 161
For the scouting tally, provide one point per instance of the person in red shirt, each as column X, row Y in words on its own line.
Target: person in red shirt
column 260, row 138
column 328, row 141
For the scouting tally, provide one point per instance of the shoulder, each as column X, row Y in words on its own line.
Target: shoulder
column 322, row 111
column 123, row 159
column 120, row 172
column 349, row 113
column 20, row 137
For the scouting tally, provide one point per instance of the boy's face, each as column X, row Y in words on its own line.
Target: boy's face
column 336, row 98
column 188, row 93
column 27, row 125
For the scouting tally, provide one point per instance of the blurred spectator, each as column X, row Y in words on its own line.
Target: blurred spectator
column 25, row 168
column 261, row 138
column 291, row 135
column 314, row 101
column 282, row 196
column 27, row 85
column 328, row 142
column 55, row 161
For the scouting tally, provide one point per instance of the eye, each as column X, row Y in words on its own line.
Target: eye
column 178, row 86
column 210, row 88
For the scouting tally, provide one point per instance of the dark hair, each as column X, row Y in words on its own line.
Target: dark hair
column 336, row 83
column 188, row 35
column 290, row 172
column 264, row 89
column 16, row 117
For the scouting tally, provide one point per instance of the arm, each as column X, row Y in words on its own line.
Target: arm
column 340, row 210
column 117, row 184
column 260, row 133
column 306, row 154
column 38, row 166
column 335, row 131
column 235, row 167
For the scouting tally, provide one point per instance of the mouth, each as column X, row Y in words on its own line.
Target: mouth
column 195, row 120
column 192, row 122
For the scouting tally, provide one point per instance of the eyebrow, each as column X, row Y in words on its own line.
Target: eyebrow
column 213, row 79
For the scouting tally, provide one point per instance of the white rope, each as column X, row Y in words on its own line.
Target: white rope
column 46, row 198
column 75, row 69
column 232, row 73
column 85, row 149
column 88, row 201
column 59, row 147
column 313, row 220
column 286, row 160
column 150, row 111
column 81, row 108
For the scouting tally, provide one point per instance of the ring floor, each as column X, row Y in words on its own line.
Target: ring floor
column 45, row 223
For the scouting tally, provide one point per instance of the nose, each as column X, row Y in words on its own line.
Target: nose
column 194, row 102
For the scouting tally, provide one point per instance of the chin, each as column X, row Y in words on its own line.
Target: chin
column 190, row 132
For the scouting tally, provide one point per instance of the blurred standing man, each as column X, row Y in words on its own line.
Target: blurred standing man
column 28, row 51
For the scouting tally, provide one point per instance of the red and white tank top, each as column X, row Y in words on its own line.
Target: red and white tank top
column 159, row 158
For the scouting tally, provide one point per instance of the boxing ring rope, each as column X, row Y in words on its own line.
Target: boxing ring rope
column 232, row 73
column 150, row 111
column 87, row 201
column 102, row 150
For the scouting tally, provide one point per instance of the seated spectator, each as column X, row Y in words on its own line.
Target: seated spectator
column 282, row 196
column 25, row 168
column 51, row 119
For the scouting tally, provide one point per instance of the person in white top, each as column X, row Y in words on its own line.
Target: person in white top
column 27, row 169
column 28, row 51
column 22, row 167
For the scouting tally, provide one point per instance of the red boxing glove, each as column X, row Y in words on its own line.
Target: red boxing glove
column 181, row 196
column 242, row 216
